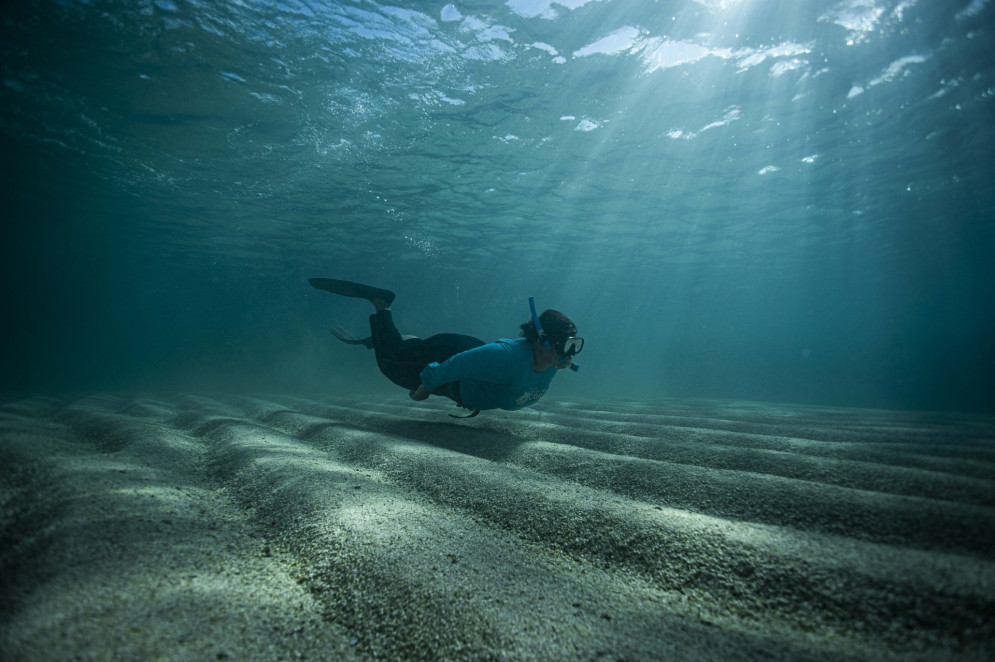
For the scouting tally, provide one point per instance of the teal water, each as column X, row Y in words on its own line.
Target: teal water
column 787, row 201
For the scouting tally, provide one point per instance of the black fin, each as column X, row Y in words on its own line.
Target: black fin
column 347, row 337
column 349, row 289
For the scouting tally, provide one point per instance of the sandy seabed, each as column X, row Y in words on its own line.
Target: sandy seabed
column 207, row 527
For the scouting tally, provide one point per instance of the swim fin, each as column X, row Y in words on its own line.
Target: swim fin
column 347, row 337
column 350, row 289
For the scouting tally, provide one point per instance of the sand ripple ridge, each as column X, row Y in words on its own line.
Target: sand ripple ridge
column 277, row 526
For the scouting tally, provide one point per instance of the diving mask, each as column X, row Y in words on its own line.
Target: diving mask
column 569, row 346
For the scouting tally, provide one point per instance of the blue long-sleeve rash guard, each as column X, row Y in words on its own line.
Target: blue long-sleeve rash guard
column 497, row 375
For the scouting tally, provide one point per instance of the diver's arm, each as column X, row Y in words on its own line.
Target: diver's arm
column 420, row 393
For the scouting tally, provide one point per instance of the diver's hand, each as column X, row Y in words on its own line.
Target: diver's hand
column 420, row 393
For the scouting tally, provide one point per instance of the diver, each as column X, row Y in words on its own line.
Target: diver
column 504, row 374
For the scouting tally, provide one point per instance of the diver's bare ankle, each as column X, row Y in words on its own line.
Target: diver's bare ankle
column 380, row 304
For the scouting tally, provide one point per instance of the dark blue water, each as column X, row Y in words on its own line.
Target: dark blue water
column 788, row 201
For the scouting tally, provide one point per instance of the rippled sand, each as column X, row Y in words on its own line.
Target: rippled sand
column 279, row 527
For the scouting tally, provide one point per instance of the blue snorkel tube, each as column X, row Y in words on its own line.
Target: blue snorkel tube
column 542, row 336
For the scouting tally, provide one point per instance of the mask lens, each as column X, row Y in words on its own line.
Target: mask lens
column 572, row 346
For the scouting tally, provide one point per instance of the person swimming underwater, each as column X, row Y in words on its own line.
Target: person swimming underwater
column 505, row 374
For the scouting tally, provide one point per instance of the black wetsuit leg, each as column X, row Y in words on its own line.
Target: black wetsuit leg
column 402, row 361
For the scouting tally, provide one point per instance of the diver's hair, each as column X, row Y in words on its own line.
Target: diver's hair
column 555, row 325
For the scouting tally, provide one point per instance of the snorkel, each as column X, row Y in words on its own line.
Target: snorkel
column 542, row 336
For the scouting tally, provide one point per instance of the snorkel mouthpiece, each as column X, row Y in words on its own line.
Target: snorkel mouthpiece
column 542, row 336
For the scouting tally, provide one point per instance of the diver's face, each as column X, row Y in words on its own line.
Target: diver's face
column 564, row 350
column 544, row 358
column 549, row 357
